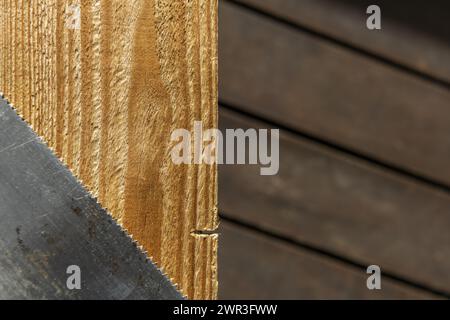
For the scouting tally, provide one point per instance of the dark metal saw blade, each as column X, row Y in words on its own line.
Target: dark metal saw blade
column 49, row 222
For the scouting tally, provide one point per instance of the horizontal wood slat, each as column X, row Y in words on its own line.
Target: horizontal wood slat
column 414, row 33
column 255, row 267
column 314, row 86
column 343, row 205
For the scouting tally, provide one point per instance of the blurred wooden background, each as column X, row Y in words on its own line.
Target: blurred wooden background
column 364, row 152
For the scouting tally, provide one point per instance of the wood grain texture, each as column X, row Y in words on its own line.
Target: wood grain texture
column 269, row 269
column 343, row 205
column 106, row 98
column 316, row 87
column 49, row 222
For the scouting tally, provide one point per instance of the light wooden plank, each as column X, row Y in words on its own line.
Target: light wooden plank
column 106, row 97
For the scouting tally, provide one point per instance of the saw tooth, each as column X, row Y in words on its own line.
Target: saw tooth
column 123, row 230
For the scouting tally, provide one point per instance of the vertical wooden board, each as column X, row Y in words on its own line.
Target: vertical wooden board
column 106, row 97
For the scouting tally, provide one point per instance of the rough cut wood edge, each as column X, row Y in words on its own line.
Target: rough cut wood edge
column 106, row 98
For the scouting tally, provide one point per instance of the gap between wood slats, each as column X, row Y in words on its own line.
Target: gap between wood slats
column 400, row 206
column 325, row 253
column 367, row 53
column 382, row 113
column 271, row 269
column 340, row 148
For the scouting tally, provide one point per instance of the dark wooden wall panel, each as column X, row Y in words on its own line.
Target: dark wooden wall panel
column 310, row 85
column 264, row 269
column 365, row 149
column 414, row 33
column 343, row 205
